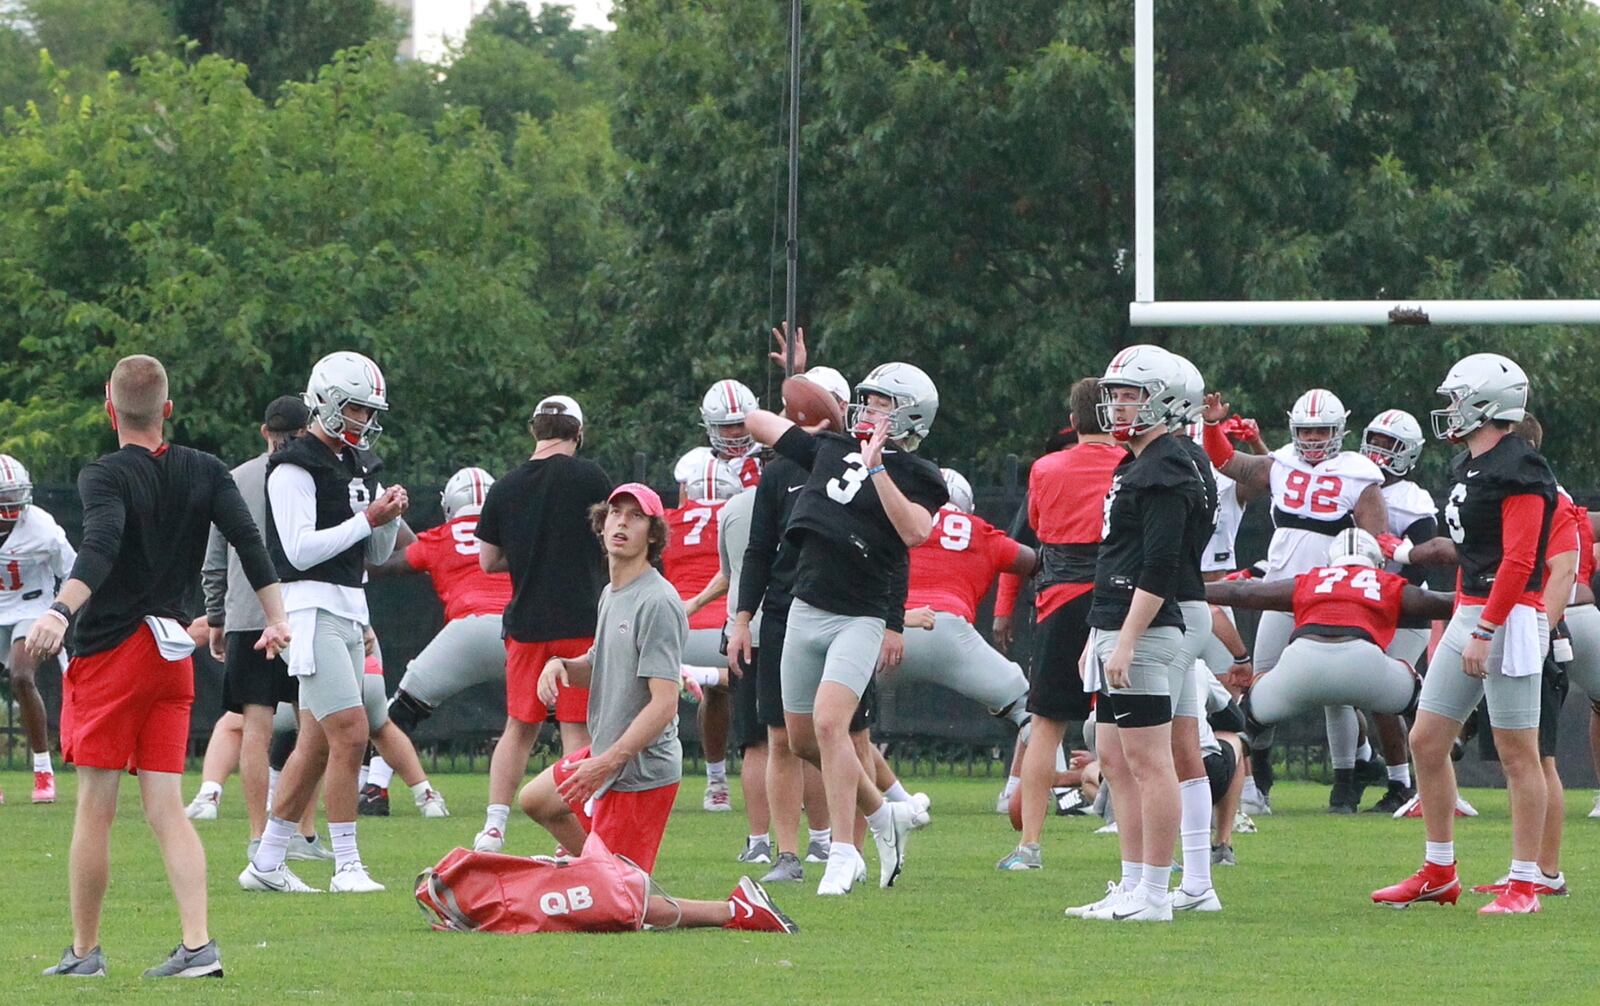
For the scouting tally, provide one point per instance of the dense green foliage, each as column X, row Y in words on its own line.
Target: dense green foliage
column 560, row 208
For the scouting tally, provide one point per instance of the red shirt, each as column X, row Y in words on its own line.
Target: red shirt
column 690, row 561
column 953, row 569
column 449, row 555
column 1355, row 597
column 1585, row 546
column 1066, row 506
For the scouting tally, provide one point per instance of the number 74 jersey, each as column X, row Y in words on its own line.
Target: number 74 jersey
column 1310, row 504
column 32, row 558
column 1349, row 600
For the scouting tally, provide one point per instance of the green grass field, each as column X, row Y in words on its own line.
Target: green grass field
column 1297, row 925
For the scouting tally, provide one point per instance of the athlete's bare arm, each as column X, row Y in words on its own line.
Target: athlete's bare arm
column 1371, row 513
column 1251, row 471
column 492, row 558
column 718, row 587
column 1253, row 594
column 767, row 427
column 397, row 564
column 1440, row 551
column 1025, row 564
column 1418, row 602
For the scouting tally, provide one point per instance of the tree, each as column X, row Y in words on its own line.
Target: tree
column 86, row 36
column 282, row 40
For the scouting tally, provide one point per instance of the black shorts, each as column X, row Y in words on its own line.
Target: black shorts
column 1055, row 688
column 1552, row 693
column 747, row 726
column 1220, row 767
column 769, row 678
column 250, row 679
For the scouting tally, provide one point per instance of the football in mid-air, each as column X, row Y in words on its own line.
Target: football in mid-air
column 809, row 404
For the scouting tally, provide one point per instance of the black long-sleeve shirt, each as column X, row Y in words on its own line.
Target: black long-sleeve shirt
column 146, row 517
column 1152, row 496
column 767, row 571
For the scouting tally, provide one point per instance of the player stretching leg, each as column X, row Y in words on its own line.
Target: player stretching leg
column 34, row 557
column 1499, row 516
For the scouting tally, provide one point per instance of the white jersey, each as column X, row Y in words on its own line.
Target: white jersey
column 1407, row 503
column 1219, row 550
column 1305, row 496
column 727, row 476
column 32, row 559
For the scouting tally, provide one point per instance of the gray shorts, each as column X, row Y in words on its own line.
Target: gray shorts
column 16, row 633
column 467, row 651
column 703, row 648
column 1312, row 673
column 1448, row 691
column 1186, row 701
column 1583, row 622
column 1155, row 669
column 1218, row 660
column 954, row 655
column 821, row 646
column 341, row 661
column 1272, row 635
column 1408, row 645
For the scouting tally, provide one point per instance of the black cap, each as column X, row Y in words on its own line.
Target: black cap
column 287, row 414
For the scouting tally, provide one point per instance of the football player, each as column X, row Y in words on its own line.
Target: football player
column 868, row 500
column 1318, row 489
column 1499, row 514
column 34, row 555
column 732, row 451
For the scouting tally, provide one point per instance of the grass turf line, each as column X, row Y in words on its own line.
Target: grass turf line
column 1297, row 925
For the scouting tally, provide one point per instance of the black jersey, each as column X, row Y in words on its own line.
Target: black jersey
column 851, row 560
column 766, row 575
column 1143, row 546
column 1472, row 515
column 1199, row 528
column 343, row 482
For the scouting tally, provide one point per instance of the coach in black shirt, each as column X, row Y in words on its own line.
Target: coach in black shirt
column 147, row 512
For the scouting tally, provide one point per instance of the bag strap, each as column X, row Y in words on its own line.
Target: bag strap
column 444, row 904
column 651, row 887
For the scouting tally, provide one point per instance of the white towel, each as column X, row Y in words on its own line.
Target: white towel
column 172, row 639
column 302, row 656
column 1523, row 654
column 1093, row 673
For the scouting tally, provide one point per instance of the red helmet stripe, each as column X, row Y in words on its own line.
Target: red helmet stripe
column 477, row 487
column 375, row 376
column 5, row 463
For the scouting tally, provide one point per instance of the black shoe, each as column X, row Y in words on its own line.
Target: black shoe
column 373, row 801
column 1345, row 797
column 1372, row 772
column 1393, row 800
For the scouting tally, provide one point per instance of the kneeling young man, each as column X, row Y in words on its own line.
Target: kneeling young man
column 622, row 786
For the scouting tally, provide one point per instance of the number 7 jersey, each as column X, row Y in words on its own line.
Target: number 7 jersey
column 1310, row 504
column 691, row 561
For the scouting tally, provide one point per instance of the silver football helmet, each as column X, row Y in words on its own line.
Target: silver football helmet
column 1482, row 387
column 1159, row 374
column 728, row 403
column 341, row 379
column 1354, row 547
column 832, row 380
column 16, row 489
column 1189, row 401
column 959, row 488
column 915, row 398
column 1401, row 427
column 1318, row 409
column 708, row 477
column 465, row 492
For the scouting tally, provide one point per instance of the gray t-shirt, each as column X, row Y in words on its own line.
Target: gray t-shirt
column 639, row 634
column 230, row 600
column 733, row 534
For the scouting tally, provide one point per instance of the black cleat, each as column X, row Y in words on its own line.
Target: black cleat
column 1345, row 797
column 373, row 801
column 1372, row 772
column 1391, row 801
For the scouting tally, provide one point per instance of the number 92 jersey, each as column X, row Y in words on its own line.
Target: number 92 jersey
column 1310, row 504
column 849, row 551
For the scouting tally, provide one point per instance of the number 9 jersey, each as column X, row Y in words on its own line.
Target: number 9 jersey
column 1310, row 503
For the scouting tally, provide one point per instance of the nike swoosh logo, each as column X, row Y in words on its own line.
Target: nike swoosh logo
column 749, row 912
column 1120, row 918
column 795, row 489
column 1473, row 474
column 1426, row 890
column 1120, row 716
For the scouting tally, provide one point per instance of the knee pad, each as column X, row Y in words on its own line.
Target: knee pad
column 1410, row 711
column 282, row 746
column 1229, row 719
column 1259, row 733
column 406, row 712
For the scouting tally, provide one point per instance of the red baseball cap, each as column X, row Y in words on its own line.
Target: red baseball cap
column 642, row 494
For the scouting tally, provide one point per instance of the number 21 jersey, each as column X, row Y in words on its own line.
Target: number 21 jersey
column 1310, row 504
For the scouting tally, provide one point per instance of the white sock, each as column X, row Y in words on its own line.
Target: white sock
column 1194, row 797
column 379, row 773
column 1440, row 853
column 207, row 788
column 880, row 820
column 717, row 771
column 1250, row 792
column 1401, row 774
column 750, row 840
column 897, row 793
column 1154, row 882
column 361, row 779
column 823, row 835
column 1132, row 873
column 1061, row 760
column 41, row 763
column 842, row 859
column 274, row 844
column 1522, row 869
column 272, row 784
column 343, row 835
column 1364, row 751
column 420, row 790
column 1012, row 782
column 498, row 814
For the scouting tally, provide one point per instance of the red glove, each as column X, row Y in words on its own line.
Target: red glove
column 1389, row 542
column 1241, row 574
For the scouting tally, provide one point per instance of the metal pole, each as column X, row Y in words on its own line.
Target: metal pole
column 1365, row 312
column 792, row 244
column 1144, row 151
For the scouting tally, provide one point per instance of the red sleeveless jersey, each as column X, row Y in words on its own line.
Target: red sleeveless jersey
column 690, row 561
column 1350, row 597
column 449, row 555
column 953, row 569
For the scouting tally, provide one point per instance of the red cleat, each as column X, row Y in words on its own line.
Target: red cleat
column 44, row 787
column 1555, row 887
column 754, row 911
column 1431, row 883
column 1517, row 899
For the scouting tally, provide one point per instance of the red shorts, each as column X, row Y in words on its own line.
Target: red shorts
column 630, row 823
column 524, row 662
column 127, row 708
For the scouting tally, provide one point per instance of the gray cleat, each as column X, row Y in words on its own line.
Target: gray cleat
column 90, row 965
column 309, row 850
column 1027, row 856
column 185, row 963
column 817, row 851
column 756, row 852
column 1222, row 855
column 787, row 868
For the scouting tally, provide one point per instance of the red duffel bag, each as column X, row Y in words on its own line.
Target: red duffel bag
column 488, row 892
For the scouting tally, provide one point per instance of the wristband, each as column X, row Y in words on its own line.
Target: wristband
column 1402, row 552
column 874, row 471
column 1246, row 659
column 1483, row 634
column 61, row 610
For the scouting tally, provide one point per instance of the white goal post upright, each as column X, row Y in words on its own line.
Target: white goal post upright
column 1147, row 311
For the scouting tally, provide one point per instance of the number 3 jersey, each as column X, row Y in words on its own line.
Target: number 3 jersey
column 954, row 568
column 1310, row 504
column 32, row 558
column 851, row 558
column 449, row 555
column 691, row 561
column 1354, row 601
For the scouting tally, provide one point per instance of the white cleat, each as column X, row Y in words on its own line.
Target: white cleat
column 1596, row 811
column 1183, row 901
column 203, row 808
column 921, row 801
column 432, row 804
column 1256, row 807
column 1107, row 829
column 1113, row 892
column 842, row 875
column 892, row 844
column 352, row 878
column 489, row 840
column 1465, row 809
column 279, row 881
column 1135, row 907
column 717, row 799
column 1242, row 824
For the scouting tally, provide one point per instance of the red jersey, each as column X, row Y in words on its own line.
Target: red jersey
column 690, row 561
column 953, row 569
column 1066, row 506
column 1349, row 597
column 449, row 555
column 1585, row 547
